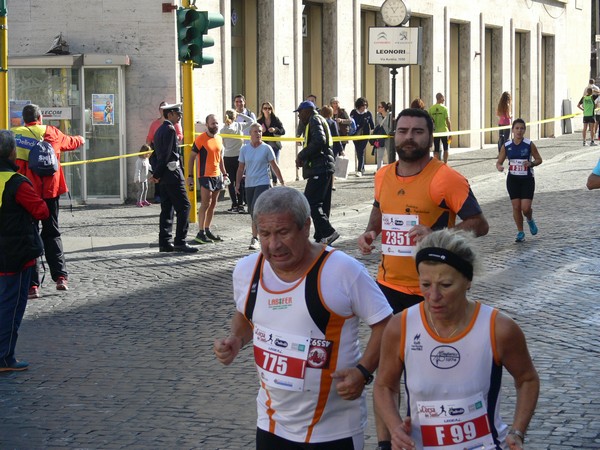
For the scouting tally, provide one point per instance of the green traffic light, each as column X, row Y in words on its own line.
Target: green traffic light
column 192, row 29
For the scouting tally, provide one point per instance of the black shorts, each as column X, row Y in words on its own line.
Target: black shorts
column 597, row 117
column 399, row 301
column 252, row 194
column 212, row 183
column 436, row 143
column 269, row 441
column 588, row 119
column 519, row 187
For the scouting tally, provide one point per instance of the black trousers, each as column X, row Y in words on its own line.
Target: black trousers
column 231, row 166
column 503, row 136
column 318, row 193
column 53, row 247
column 173, row 199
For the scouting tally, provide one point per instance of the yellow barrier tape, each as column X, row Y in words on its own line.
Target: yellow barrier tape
column 335, row 139
column 108, row 158
column 506, row 127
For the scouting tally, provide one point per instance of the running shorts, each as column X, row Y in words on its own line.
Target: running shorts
column 519, row 187
column 211, row 183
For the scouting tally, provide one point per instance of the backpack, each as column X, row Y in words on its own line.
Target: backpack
column 352, row 128
column 42, row 158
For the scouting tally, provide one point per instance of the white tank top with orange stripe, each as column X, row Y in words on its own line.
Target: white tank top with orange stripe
column 317, row 413
column 453, row 385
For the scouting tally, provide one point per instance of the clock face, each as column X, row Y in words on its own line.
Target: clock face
column 394, row 12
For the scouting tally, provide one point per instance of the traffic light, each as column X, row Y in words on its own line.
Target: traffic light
column 192, row 29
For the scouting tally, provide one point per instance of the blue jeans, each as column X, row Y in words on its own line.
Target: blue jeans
column 13, row 300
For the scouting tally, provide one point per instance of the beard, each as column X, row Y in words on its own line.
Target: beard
column 213, row 130
column 414, row 154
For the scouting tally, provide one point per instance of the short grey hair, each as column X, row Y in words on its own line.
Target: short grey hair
column 456, row 241
column 7, row 143
column 280, row 200
column 31, row 113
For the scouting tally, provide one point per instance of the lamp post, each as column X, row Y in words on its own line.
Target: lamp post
column 4, row 118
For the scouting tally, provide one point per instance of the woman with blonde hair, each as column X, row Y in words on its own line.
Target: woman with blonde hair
column 231, row 153
column 450, row 351
column 504, row 118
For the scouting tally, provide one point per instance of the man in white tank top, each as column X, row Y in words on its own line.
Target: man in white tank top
column 300, row 303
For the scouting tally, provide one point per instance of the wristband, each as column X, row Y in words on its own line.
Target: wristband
column 518, row 434
column 368, row 375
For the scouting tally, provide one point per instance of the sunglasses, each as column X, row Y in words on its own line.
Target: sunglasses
column 267, row 108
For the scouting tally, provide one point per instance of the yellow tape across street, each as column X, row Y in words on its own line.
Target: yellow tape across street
column 336, row 139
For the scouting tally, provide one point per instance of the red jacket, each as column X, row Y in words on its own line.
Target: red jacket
column 56, row 184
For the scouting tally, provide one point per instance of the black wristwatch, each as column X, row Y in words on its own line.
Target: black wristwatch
column 368, row 375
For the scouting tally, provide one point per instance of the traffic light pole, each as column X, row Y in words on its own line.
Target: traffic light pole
column 192, row 29
column 4, row 118
column 187, row 75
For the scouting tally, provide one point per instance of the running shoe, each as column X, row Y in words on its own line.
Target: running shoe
column 358, row 174
column 213, row 237
column 233, row 210
column 34, row 292
column 520, row 237
column 254, row 245
column 61, row 284
column 592, row 144
column 241, row 210
column 584, row 143
column 201, row 238
column 140, row 204
column 532, row 227
column 146, row 203
column 330, row 239
column 17, row 366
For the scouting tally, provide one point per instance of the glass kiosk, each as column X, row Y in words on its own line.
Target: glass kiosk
column 80, row 95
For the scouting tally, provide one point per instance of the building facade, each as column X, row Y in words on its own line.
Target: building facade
column 281, row 51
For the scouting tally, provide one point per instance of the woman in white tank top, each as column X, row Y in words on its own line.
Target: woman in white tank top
column 451, row 351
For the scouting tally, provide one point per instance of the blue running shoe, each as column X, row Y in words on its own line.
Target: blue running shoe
column 532, row 227
column 520, row 237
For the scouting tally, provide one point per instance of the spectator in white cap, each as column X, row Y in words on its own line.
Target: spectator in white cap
column 173, row 196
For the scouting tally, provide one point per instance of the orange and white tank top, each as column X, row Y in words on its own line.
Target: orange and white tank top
column 453, row 385
column 298, row 343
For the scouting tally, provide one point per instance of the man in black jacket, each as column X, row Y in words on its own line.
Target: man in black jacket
column 172, row 184
column 317, row 162
column 20, row 244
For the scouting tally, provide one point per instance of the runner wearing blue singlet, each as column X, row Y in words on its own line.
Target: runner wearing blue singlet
column 520, row 182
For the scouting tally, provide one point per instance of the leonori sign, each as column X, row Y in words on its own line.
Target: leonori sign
column 394, row 46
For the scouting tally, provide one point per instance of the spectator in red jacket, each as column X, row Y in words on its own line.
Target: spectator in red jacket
column 50, row 188
column 20, row 209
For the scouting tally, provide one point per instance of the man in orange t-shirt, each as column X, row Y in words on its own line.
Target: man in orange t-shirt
column 413, row 197
column 209, row 145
